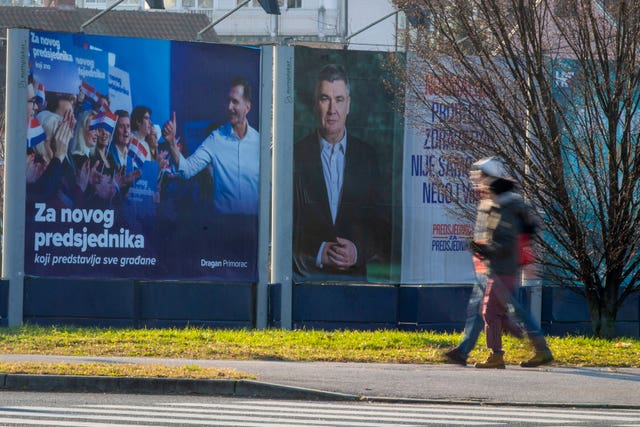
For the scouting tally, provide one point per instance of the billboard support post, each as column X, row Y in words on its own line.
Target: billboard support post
column 266, row 136
column 99, row 15
column 282, row 180
column 15, row 167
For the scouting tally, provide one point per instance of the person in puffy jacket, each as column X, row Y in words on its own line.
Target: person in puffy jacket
column 499, row 225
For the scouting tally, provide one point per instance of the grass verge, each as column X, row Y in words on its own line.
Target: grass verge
column 386, row 346
column 122, row 370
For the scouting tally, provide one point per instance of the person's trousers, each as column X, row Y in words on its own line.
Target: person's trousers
column 498, row 293
column 474, row 323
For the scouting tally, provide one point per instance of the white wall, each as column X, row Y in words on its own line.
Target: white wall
column 379, row 37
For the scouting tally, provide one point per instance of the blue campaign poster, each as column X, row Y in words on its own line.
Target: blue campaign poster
column 109, row 192
column 63, row 61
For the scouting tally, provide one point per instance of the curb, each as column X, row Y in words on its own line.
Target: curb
column 237, row 388
column 179, row 386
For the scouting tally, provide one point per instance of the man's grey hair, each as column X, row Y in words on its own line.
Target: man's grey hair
column 331, row 73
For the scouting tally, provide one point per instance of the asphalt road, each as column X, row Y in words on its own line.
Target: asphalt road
column 111, row 410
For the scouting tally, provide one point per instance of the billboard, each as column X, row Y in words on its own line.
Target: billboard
column 347, row 140
column 365, row 206
column 142, row 158
column 436, row 189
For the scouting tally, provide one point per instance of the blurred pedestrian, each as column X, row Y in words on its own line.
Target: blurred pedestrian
column 502, row 218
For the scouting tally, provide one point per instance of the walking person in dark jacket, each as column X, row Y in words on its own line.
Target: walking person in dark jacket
column 498, row 227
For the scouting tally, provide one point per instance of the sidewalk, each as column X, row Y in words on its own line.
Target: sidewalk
column 545, row 386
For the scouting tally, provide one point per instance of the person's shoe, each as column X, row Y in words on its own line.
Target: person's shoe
column 494, row 361
column 454, row 356
column 539, row 358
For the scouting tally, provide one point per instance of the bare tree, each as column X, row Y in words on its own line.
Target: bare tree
column 553, row 88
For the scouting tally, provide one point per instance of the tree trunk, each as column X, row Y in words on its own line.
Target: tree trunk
column 603, row 318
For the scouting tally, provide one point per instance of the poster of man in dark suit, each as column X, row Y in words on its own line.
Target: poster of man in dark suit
column 340, row 218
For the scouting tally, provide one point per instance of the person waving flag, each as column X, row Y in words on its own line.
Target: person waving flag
column 35, row 133
column 91, row 97
column 105, row 120
column 137, row 152
column 41, row 99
